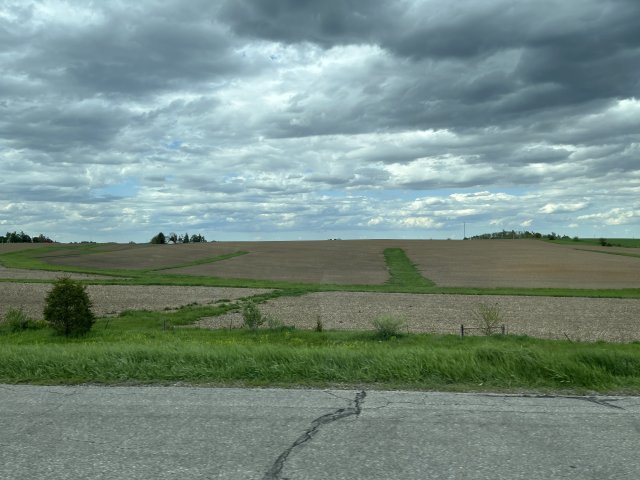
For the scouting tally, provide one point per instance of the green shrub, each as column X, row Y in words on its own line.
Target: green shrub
column 251, row 316
column 17, row 321
column 388, row 326
column 68, row 308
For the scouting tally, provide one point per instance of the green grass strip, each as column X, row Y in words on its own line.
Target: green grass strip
column 126, row 354
column 402, row 271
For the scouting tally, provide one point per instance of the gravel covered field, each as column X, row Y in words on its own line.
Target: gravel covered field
column 112, row 299
column 585, row 319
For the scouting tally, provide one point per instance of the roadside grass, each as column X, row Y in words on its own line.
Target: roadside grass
column 404, row 278
column 135, row 348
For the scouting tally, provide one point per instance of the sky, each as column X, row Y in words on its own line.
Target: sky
column 303, row 119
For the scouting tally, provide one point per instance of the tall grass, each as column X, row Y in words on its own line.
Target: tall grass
column 125, row 353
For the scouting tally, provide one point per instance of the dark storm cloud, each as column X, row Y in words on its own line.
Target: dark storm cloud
column 54, row 128
column 127, row 51
column 489, row 62
column 327, row 23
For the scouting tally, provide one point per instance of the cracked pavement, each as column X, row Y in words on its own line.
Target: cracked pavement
column 99, row 432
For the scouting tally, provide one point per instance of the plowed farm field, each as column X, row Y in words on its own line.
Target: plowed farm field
column 522, row 264
column 472, row 264
column 478, row 263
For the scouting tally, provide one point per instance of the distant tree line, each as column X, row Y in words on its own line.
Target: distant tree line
column 506, row 234
column 161, row 238
column 15, row 237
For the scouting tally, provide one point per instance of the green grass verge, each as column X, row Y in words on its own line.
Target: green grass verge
column 135, row 349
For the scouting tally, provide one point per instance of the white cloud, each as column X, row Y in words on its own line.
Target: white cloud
column 615, row 216
column 563, row 208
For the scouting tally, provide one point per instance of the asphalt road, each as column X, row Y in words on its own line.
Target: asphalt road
column 91, row 432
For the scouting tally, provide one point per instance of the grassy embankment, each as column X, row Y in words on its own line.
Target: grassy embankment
column 139, row 351
column 150, row 347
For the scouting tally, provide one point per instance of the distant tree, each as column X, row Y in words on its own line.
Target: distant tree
column 14, row 237
column 197, row 238
column 41, row 239
column 185, row 239
column 173, row 238
column 159, row 239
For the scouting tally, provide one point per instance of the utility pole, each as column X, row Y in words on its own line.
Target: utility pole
column 464, row 236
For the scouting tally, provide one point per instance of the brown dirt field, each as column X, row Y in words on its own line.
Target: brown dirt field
column 144, row 256
column 340, row 261
column 112, row 299
column 20, row 274
column 14, row 247
column 474, row 263
column 580, row 319
column 520, row 263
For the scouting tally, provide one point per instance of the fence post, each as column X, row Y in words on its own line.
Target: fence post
column 462, row 331
column 503, row 329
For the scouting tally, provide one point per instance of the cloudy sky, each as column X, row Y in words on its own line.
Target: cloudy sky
column 288, row 119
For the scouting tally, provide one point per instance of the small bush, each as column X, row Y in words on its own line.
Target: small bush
column 388, row 326
column 273, row 323
column 68, row 308
column 489, row 317
column 251, row 316
column 17, row 321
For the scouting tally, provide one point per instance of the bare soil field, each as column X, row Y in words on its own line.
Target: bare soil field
column 14, row 247
column 579, row 319
column 474, row 263
column 138, row 256
column 520, row 263
column 21, row 274
column 113, row 299
column 340, row 262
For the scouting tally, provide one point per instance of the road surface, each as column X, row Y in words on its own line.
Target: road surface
column 95, row 432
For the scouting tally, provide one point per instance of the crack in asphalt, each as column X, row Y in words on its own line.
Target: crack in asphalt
column 275, row 472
